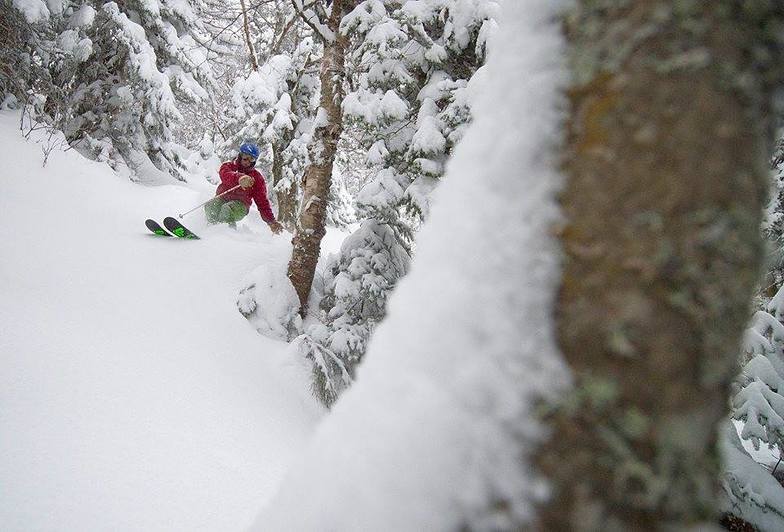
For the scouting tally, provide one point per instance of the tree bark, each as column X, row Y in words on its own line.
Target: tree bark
column 318, row 175
column 666, row 180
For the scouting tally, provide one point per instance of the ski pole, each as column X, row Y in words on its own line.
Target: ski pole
column 209, row 200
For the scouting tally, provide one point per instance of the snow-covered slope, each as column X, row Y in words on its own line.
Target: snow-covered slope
column 133, row 394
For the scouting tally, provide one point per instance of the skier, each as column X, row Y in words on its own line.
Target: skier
column 234, row 206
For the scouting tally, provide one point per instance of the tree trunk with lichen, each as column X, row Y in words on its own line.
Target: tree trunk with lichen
column 666, row 158
column 318, row 175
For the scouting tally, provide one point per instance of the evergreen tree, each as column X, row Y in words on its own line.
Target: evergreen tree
column 19, row 35
column 751, row 489
column 412, row 67
column 115, row 72
column 340, row 206
column 358, row 282
column 758, row 402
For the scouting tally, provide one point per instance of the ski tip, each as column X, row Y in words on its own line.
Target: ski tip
column 179, row 230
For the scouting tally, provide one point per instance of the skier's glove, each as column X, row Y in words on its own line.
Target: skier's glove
column 246, row 181
column 275, row 227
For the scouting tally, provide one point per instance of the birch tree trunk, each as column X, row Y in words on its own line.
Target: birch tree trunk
column 318, row 175
column 666, row 180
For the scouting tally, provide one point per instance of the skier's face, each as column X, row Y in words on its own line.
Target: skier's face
column 247, row 161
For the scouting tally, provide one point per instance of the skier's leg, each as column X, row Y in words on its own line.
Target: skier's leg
column 213, row 210
column 232, row 212
column 237, row 210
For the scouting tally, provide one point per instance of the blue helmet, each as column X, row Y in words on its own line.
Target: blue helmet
column 248, row 148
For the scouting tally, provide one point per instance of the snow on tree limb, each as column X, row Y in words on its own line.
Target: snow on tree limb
column 314, row 16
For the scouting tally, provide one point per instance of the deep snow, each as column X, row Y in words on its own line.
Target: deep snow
column 133, row 394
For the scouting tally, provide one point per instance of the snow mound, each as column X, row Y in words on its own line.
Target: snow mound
column 268, row 300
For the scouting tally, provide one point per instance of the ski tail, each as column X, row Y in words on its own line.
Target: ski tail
column 155, row 228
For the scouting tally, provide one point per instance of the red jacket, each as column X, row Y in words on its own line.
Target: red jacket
column 230, row 173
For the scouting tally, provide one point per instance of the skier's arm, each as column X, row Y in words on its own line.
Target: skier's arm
column 228, row 175
column 260, row 197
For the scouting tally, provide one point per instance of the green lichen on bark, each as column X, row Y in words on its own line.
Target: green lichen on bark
column 666, row 165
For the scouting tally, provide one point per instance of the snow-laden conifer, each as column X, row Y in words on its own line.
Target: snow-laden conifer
column 118, row 71
column 413, row 66
column 752, row 491
column 17, row 35
column 759, row 402
column 341, row 212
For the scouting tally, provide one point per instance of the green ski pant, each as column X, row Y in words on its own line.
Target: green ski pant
column 230, row 212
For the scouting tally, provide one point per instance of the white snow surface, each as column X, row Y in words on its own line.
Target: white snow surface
column 438, row 428
column 270, row 302
column 33, row 10
column 133, row 394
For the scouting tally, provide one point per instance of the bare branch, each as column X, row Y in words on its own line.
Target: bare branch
column 251, row 52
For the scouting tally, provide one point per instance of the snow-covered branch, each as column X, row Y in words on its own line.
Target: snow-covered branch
column 314, row 15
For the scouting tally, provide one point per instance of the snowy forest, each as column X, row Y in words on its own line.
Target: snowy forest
column 440, row 265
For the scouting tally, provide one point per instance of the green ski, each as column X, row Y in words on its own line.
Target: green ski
column 176, row 228
column 155, row 227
